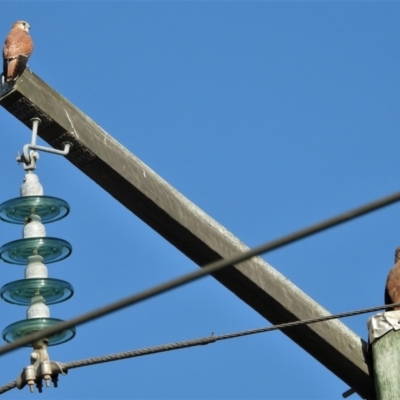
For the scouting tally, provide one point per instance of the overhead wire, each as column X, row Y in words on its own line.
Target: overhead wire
column 9, row 386
column 205, row 270
column 214, row 338
column 203, row 341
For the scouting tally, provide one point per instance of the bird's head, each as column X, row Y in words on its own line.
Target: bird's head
column 397, row 255
column 22, row 25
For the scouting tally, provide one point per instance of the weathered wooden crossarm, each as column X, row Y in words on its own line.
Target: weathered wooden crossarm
column 188, row 228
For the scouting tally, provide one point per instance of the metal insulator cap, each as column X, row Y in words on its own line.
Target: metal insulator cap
column 31, row 186
column 33, row 227
column 38, row 309
column 36, row 268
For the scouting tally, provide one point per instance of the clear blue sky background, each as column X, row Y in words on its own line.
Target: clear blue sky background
column 269, row 116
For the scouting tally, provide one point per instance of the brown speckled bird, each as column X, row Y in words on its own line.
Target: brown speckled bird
column 392, row 290
column 17, row 48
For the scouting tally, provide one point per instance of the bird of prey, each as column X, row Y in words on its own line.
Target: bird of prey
column 392, row 290
column 17, row 48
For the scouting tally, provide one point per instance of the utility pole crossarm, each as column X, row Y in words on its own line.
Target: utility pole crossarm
column 188, row 228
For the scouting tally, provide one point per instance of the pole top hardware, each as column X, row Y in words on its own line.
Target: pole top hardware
column 29, row 156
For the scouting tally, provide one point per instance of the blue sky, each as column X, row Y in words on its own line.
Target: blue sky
column 269, row 116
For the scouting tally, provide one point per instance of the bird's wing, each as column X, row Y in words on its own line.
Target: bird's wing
column 392, row 293
column 18, row 42
column 14, row 67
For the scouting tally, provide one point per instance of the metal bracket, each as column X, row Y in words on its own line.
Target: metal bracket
column 348, row 393
column 29, row 156
column 41, row 368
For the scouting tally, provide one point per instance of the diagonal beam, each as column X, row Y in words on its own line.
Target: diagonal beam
column 188, row 228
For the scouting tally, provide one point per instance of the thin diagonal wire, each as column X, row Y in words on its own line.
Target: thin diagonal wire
column 140, row 352
column 8, row 387
column 206, row 270
column 214, row 338
column 203, row 341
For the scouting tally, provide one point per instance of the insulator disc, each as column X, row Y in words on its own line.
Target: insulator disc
column 48, row 208
column 22, row 291
column 51, row 249
column 20, row 329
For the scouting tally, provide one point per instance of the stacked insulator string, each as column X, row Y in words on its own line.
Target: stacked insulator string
column 37, row 291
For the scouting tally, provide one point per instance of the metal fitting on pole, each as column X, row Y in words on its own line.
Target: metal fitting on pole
column 41, row 368
column 29, row 156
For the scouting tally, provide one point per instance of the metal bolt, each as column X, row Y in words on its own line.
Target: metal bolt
column 47, row 380
column 54, row 379
column 31, row 387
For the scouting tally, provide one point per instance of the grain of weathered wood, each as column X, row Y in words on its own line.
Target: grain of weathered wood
column 188, row 228
column 386, row 361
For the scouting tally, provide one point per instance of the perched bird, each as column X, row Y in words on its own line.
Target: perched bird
column 17, row 48
column 392, row 290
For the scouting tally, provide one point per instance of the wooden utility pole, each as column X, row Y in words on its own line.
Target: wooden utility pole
column 384, row 333
column 188, row 228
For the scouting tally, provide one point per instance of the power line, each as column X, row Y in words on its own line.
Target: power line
column 203, row 341
column 214, row 338
column 206, row 270
column 8, row 387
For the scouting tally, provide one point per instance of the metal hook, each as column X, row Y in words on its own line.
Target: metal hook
column 29, row 156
